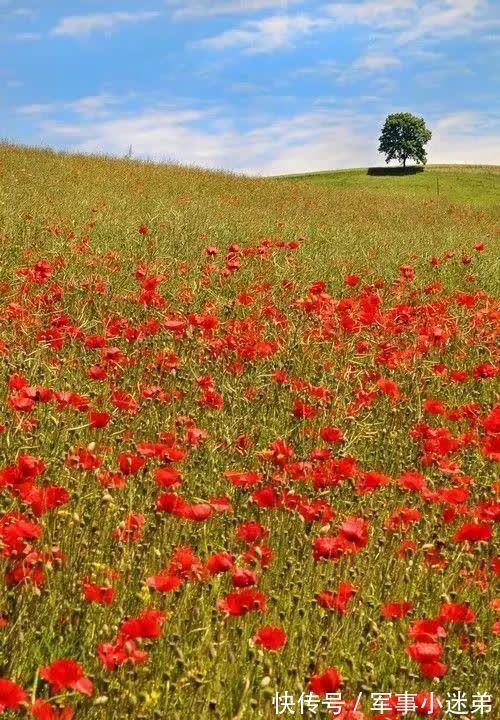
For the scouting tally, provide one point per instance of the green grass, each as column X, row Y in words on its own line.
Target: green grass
column 476, row 185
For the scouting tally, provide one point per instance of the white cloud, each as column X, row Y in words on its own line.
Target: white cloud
column 84, row 24
column 464, row 121
column 465, row 137
column 157, row 134
column 424, row 55
column 376, row 13
column 398, row 21
column 190, row 9
column 445, row 17
column 373, row 61
column 317, row 140
column 405, row 20
column 92, row 106
column 271, row 33
column 369, row 62
column 415, row 18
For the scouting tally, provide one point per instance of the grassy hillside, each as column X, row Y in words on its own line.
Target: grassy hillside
column 476, row 185
column 249, row 441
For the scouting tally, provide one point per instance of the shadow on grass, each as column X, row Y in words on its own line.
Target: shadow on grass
column 411, row 170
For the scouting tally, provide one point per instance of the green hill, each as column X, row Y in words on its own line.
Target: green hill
column 477, row 185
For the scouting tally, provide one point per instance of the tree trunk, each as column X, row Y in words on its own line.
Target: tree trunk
column 404, row 162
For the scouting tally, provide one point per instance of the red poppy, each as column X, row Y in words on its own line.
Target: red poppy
column 259, row 555
column 427, row 630
column 412, row 480
column 12, row 695
column 251, row 532
column 433, row 669
column 130, row 464
column 65, row 673
column 327, row 682
column 402, row 518
column 329, row 547
column 456, row 613
column 242, row 577
column 336, row 600
column 354, row 530
column 171, row 503
column 434, row 407
column 102, row 594
column 130, row 530
column 43, row 710
column 211, row 399
column 123, row 651
column 424, row 652
column 148, row 624
column 279, row 452
column 270, row 637
column 167, row 476
column 266, row 498
column 473, row 532
column 199, row 512
column 331, row 434
column 396, row 610
column 220, row 504
column 164, row 582
column 98, row 419
column 124, row 401
column 245, row 479
column 389, row 388
column 370, row 481
column 219, row 563
column 242, row 602
column 43, row 499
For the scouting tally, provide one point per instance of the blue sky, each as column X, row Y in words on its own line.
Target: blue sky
column 259, row 86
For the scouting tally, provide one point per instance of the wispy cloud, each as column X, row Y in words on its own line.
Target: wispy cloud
column 75, row 25
column 315, row 140
column 376, row 13
column 415, row 18
column 374, row 61
column 405, row 20
column 445, row 17
column 271, row 33
column 191, row 9
column 156, row 134
column 464, row 121
column 370, row 62
column 91, row 106
column 467, row 137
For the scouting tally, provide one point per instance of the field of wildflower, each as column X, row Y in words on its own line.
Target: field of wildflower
column 249, row 431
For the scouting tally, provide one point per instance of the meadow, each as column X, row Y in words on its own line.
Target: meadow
column 249, row 435
column 472, row 185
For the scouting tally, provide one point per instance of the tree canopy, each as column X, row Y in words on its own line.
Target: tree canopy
column 403, row 138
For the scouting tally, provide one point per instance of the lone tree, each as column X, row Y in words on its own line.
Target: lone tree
column 403, row 137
